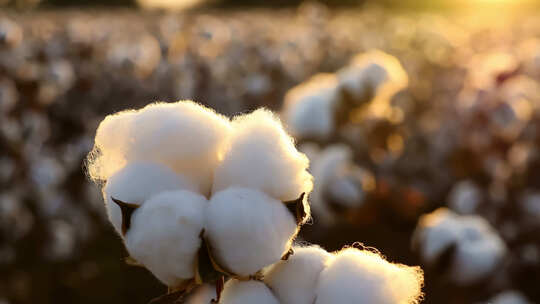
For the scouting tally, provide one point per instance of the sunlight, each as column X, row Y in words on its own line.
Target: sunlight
column 171, row 5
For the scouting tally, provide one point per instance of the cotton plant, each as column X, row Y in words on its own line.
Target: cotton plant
column 465, row 247
column 211, row 206
column 324, row 115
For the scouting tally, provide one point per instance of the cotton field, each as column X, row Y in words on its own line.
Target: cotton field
column 301, row 155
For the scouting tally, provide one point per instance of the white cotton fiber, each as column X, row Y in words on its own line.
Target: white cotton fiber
column 309, row 108
column 110, row 145
column 465, row 197
column 137, row 182
column 248, row 229
column 262, row 156
column 373, row 73
column 294, row 280
column 364, row 277
column 247, row 292
column 204, row 294
column 369, row 71
column 325, row 168
column 435, row 232
column 165, row 234
column 346, row 189
column 479, row 249
column 185, row 136
column 509, row 297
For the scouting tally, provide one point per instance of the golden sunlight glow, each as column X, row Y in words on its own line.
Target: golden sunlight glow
column 170, row 5
column 494, row 3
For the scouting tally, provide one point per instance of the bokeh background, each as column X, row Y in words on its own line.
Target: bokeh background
column 470, row 116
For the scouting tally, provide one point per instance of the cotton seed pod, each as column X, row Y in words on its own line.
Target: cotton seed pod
column 294, row 280
column 248, row 230
column 136, row 183
column 247, row 292
column 476, row 247
column 185, row 136
column 309, row 108
column 164, row 235
column 262, row 156
column 364, row 277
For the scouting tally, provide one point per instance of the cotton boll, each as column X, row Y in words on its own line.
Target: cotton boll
column 435, row 233
column 480, row 250
column 262, row 156
column 165, row 234
column 294, row 280
column 373, row 75
column 204, row 294
column 509, row 297
column 137, row 182
column 478, row 247
column 465, row 197
column 364, row 277
column 248, row 230
column 309, row 108
column 247, row 292
column 185, row 136
column 110, row 145
column 346, row 189
column 324, row 168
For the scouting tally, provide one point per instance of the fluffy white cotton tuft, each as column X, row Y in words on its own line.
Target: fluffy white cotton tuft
column 479, row 249
column 185, row 136
column 364, row 277
column 248, row 229
column 137, row 182
column 262, row 156
column 435, row 232
column 373, row 74
column 247, row 292
column 294, row 280
column 465, row 197
column 328, row 163
column 509, row 297
column 204, row 294
column 309, row 108
column 164, row 234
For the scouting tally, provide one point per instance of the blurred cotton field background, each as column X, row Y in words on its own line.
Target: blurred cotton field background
column 441, row 109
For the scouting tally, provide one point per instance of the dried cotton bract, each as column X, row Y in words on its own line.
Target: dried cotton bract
column 164, row 234
column 364, row 277
column 248, row 229
column 185, row 136
column 262, row 156
column 294, row 280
